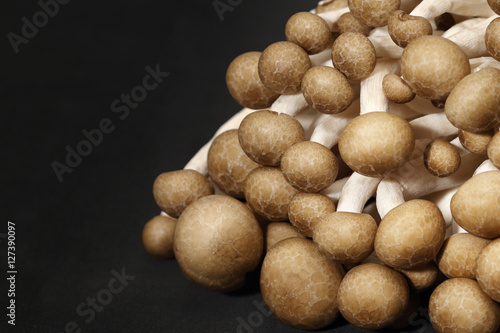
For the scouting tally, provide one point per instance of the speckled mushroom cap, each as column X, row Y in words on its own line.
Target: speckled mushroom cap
column 404, row 28
column 458, row 255
column 306, row 208
column 374, row 13
column 245, row 85
column 396, row 90
column 309, row 166
column 410, row 235
column 175, row 190
column 493, row 150
column 228, row 165
column 265, row 135
column 376, row 143
column 345, row 237
column 441, row 158
column 488, row 270
column 423, row 277
column 433, row 65
column 476, row 143
column 495, row 5
column 158, row 236
column 372, row 296
column 354, row 55
column 480, row 92
column 475, row 206
column 492, row 38
column 278, row 231
column 309, row 31
column 268, row 193
column 282, row 66
column 348, row 23
column 327, row 90
column 459, row 305
column 329, row 5
column 218, row 240
column 299, row 285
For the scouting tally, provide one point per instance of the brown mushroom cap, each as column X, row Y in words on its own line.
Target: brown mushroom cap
column 265, row 135
column 410, row 235
column 492, row 38
column 228, row 165
column 374, row 13
column 475, row 206
column 348, row 23
column 278, row 231
column 488, row 270
column 217, row 240
column 441, row 158
column 372, row 296
column 396, row 90
column 345, row 237
column 299, row 285
column 376, row 143
column 495, row 5
column 244, row 84
column 404, row 28
column 476, row 143
column 327, row 90
column 433, row 65
column 459, row 305
column 309, row 31
column 158, row 235
column 458, row 255
column 354, row 55
column 282, row 66
column 268, row 193
column 474, row 103
column 493, row 150
column 423, row 277
column 326, row 6
column 306, row 208
column 175, row 190
column 309, row 166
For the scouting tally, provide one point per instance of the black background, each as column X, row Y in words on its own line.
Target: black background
column 70, row 235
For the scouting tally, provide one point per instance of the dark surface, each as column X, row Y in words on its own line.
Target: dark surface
column 71, row 235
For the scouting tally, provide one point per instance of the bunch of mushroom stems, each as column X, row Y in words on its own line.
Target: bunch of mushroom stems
column 365, row 118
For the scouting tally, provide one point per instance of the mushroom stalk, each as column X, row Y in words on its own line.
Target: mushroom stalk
column 356, row 192
column 384, row 45
column 430, row 9
column 290, row 104
column 390, row 192
column 334, row 191
column 331, row 17
column 433, row 126
column 485, row 167
column 479, row 63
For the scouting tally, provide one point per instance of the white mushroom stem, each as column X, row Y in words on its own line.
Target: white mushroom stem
column 423, row 106
column 290, row 104
column 442, row 200
column 334, row 191
column 477, row 64
column 384, row 45
column 485, row 167
column 469, row 35
column 324, row 58
column 372, row 97
column 430, row 9
column 433, row 126
column 199, row 161
column 356, row 192
column 389, row 195
column 331, row 17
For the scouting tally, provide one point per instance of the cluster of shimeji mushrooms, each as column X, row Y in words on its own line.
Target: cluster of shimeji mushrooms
column 364, row 167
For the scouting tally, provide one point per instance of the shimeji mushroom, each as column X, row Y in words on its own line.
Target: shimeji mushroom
column 157, row 237
column 404, row 28
column 374, row 13
column 278, row 231
column 354, row 55
column 306, row 208
column 492, row 38
column 476, row 143
column 493, row 150
column 348, row 23
column 488, row 268
column 309, row 31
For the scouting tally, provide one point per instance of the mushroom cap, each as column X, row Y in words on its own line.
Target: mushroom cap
column 327, row 90
column 476, row 206
column 458, row 255
column 492, row 38
column 459, row 305
column 404, row 28
column 228, row 165
column 309, row 31
column 476, row 143
column 344, row 237
column 268, row 193
column 495, row 5
column 376, row 143
column 217, row 240
column 265, row 135
column 474, row 103
column 488, row 270
column 175, row 190
column 309, row 166
column 282, row 66
column 433, row 65
column 422, row 277
column 441, row 158
column 245, row 85
column 371, row 296
column 374, row 13
column 348, row 23
column 410, row 235
column 306, row 208
column 354, row 55
column 299, row 285
column 158, row 236
column 396, row 90
column 278, row 231
column 493, row 150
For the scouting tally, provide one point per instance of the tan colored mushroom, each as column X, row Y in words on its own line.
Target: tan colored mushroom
column 309, row 31
column 354, row 55
column 374, row 13
column 493, row 150
column 441, row 158
column 423, row 277
column 476, row 143
column 488, row 270
column 306, row 208
column 348, row 23
column 396, row 90
column 278, row 231
column 158, row 235
column 492, row 38
column 404, row 28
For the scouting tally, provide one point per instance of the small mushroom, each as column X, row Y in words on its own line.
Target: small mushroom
column 309, row 31
column 423, row 277
column 374, row 13
column 492, row 38
column 354, row 55
column 306, row 208
column 404, row 28
column 278, row 231
column 488, row 270
column 493, row 150
column 476, row 143
column 396, row 90
column 441, row 158
column 157, row 237
column 348, row 23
